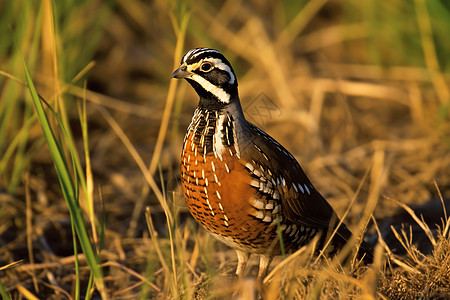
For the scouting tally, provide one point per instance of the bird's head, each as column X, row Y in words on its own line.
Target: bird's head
column 211, row 75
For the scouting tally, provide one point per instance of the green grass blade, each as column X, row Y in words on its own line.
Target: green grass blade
column 5, row 294
column 77, row 265
column 67, row 185
column 89, row 287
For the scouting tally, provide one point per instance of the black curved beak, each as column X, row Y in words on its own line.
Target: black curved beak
column 181, row 72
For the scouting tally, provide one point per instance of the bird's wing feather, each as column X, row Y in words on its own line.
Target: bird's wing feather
column 301, row 204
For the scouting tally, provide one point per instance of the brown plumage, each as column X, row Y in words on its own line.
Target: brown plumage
column 238, row 182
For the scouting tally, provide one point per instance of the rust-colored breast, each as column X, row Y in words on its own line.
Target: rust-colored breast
column 218, row 192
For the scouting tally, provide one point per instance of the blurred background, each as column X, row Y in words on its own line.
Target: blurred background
column 357, row 91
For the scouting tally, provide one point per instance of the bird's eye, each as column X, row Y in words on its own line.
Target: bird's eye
column 206, row 67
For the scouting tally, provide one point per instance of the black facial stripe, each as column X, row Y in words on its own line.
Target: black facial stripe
column 216, row 77
column 207, row 99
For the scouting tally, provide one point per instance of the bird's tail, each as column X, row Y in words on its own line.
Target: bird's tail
column 340, row 241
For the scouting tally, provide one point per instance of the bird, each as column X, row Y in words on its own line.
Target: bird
column 239, row 183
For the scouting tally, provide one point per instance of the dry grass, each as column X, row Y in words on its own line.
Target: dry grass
column 360, row 99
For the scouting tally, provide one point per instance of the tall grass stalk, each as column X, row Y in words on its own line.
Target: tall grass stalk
column 50, row 36
column 180, row 30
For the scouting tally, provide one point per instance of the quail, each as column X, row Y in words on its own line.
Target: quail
column 239, row 183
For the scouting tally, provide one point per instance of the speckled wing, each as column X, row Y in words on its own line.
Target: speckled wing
column 301, row 203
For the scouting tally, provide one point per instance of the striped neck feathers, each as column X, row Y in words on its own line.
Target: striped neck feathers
column 215, row 130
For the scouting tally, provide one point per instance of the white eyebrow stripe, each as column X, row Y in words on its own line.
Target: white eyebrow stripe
column 219, row 64
column 221, row 95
